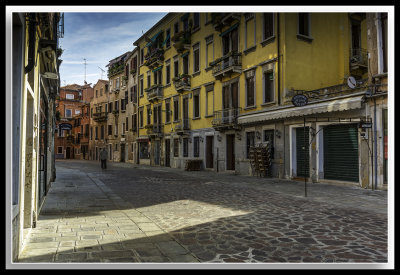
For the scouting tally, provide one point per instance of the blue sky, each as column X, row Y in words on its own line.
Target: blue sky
column 99, row 37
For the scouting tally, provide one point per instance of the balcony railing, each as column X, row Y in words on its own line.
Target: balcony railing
column 219, row 20
column 155, row 129
column 228, row 64
column 182, row 83
column 226, row 118
column 155, row 93
column 182, row 126
column 100, row 116
column 182, row 40
column 154, row 58
column 358, row 59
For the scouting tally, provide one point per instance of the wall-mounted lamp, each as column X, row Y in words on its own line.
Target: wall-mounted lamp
column 219, row 138
column 277, row 133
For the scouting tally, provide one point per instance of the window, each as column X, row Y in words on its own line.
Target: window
column 116, row 130
column 59, row 150
column 141, row 117
column 269, row 137
column 168, row 39
column 176, row 108
column 185, row 147
column 185, row 23
column 269, row 87
column 148, row 79
column 167, row 111
column 96, row 135
column 176, row 27
column 102, row 132
column 158, row 77
column 196, row 147
column 196, row 58
column 209, row 100
column 110, row 107
column 304, row 24
column 167, row 72
column 144, row 150
column 148, row 115
column 196, row 104
column 249, row 142
column 101, row 91
column 196, row 20
column 91, row 133
column 230, row 42
column 141, row 86
column 116, row 104
column 68, row 113
column 250, row 30
column 209, row 50
column 117, row 82
column 126, row 124
column 141, row 56
column 134, row 124
column 96, row 93
column 250, row 89
column 123, row 128
column 176, row 67
column 176, row 147
column 268, row 26
column 109, row 130
column 77, row 112
column 384, row 45
column 186, row 64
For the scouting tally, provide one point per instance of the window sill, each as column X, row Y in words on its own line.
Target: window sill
column 208, row 116
column 196, row 118
column 196, row 29
column 250, row 107
column 196, row 74
column 268, row 104
column 208, row 68
column 267, row 41
column 167, row 85
column 249, row 50
column 305, row 38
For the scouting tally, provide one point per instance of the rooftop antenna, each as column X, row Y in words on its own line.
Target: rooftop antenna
column 85, row 68
column 102, row 71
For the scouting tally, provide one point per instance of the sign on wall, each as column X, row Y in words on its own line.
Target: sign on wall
column 299, row 100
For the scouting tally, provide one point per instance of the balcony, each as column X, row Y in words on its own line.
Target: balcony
column 155, row 93
column 155, row 130
column 182, row 83
column 219, row 20
column 226, row 65
column 182, row 126
column 154, row 58
column 100, row 116
column 358, row 61
column 182, row 40
column 226, row 119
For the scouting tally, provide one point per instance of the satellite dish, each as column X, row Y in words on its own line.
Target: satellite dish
column 351, row 82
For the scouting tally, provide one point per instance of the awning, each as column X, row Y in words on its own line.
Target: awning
column 229, row 30
column 157, row 69
column 342, row 104
column 153, row 38
column 166, row 39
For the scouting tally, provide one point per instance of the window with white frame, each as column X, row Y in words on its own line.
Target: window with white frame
column 167, row 71
column 304, row 24
column 68, row 113
column 60, row 150
column 196, row 103
column 268, row 25
column 269, row 91
column 69, row 96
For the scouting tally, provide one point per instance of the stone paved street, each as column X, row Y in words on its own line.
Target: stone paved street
column 130, row 213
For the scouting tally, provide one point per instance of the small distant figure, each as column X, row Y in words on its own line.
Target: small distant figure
column 103, row 158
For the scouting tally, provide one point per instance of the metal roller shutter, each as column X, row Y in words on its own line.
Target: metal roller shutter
column 341, row 152
column 302, row 153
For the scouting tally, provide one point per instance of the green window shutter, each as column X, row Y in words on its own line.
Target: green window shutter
column 302, row 152
column 341, row 152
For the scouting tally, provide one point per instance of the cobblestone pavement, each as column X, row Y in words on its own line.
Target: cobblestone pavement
column 131, row 213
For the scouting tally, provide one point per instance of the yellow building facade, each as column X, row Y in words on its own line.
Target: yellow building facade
column 211, row 85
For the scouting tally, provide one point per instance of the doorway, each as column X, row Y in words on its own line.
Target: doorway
column 167, row 153
column 122, row 153
column 230, row 152
column 209, row 151
column 68, row 153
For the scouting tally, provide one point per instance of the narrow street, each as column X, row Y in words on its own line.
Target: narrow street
column 131, row 213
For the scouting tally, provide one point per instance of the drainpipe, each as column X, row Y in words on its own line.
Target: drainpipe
column 32, row 34
column 375, row 145
column 277, row 42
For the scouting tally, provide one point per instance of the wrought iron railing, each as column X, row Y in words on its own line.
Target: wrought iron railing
column 229, row 62
column 155, row 93
column 182, row 82
column 100, row 116
column 226, row 117
column 359, row 57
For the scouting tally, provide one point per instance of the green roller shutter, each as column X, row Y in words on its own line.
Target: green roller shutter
column 302, row 152
column 341, row 152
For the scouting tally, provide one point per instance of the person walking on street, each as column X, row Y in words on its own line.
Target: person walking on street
column 103, row 158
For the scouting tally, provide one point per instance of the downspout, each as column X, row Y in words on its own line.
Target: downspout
column 375, row 145
column 31, row 50
column 278, row 46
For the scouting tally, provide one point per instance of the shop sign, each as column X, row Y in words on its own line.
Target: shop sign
column 65, row 126
column 299, row 100
column 364, row 124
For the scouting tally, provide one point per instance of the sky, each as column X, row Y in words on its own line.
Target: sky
column 99, row 37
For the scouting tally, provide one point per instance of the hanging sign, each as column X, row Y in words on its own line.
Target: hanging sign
column 299, row 100
column 65, row 126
